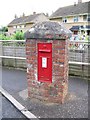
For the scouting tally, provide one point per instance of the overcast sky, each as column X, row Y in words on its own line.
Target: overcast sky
column 8, row 8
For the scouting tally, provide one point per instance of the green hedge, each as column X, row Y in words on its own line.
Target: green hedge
column 19, row 35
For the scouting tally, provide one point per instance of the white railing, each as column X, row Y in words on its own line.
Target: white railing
column 80, row 49
column 78, row 45
column 11, row 57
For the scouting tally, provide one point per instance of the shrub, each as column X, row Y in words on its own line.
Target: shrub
column 3, row 36
column 19, row 35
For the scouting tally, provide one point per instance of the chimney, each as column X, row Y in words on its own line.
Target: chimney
column 15, row 16
column 74, row 3
column 23, row 15
column 34, row 13
column 79, row 1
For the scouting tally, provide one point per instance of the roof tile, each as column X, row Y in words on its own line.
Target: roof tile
column 24, row 19
column 80, row 8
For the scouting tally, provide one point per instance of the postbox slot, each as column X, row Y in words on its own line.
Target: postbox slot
column 42, row 50
column 46, row 57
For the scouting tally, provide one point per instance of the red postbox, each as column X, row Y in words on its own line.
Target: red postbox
column 45, row 62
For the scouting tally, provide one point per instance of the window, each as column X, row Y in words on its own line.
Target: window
column 76, row 19
column 23, row 26
column 64, row 20
column 88, row 18
column 14, row 27
column 84, row 17
column 18, row 26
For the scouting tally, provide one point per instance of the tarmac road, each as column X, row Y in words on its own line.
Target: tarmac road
column 9, row 111
column 14, row 81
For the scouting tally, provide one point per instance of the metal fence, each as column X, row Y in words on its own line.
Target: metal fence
column 13, row 54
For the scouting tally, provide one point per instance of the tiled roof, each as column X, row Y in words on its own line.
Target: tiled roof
column 24, row 19
column 80, row 8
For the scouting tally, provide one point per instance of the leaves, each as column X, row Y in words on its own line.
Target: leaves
column 19, row 35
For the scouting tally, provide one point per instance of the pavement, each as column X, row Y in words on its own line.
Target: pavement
column 75, row 106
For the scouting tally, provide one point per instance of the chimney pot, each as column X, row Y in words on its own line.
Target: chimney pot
column 74, row 3
column 34, row 13
column 79, row 1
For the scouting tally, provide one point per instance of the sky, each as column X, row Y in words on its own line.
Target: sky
column 8, row 8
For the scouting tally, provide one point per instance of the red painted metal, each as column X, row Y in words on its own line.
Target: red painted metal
column 45, row 62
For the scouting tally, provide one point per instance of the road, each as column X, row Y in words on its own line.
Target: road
column 10, row 111
column 76, row 106
column 13, row 80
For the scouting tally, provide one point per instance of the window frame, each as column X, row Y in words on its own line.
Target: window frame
column 76, row 18
column 64, row 20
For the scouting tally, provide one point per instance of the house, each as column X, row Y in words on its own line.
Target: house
column 75, row 17
column 25, row 22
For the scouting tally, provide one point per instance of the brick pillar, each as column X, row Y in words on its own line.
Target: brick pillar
column 55, row 91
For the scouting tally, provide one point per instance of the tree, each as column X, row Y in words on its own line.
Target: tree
column 4, row 29
column 19, row 35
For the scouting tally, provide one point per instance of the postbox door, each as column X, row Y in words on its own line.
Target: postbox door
column 45, row 62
